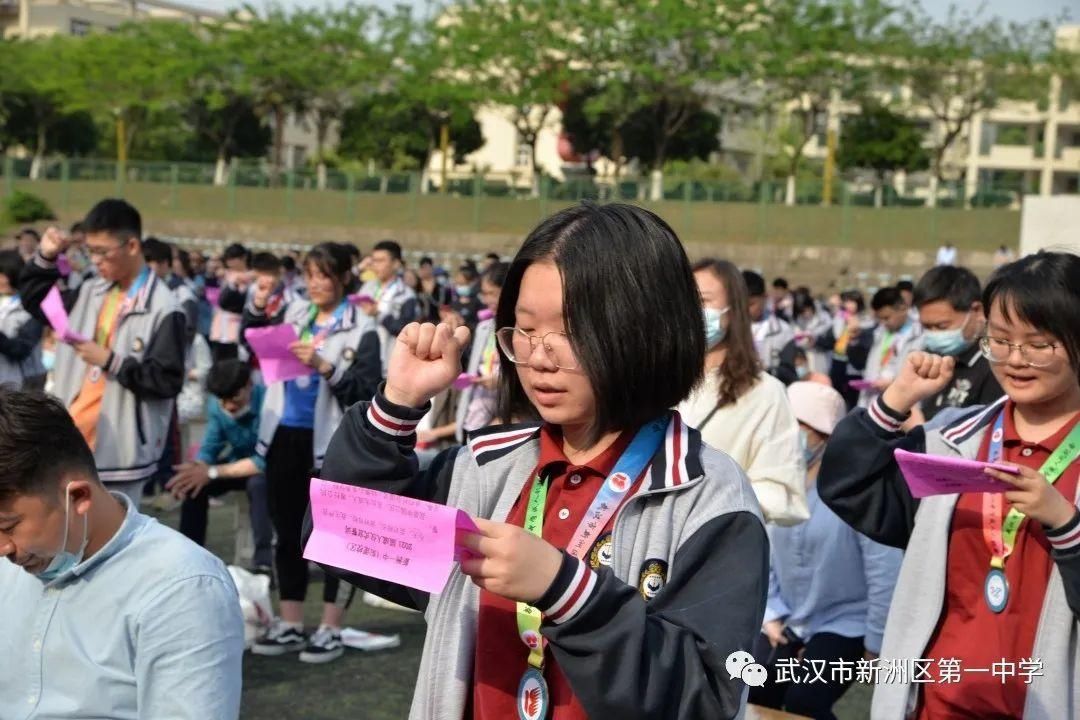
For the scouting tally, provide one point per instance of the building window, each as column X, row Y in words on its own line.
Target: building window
column 524, row 154
column 79, row 27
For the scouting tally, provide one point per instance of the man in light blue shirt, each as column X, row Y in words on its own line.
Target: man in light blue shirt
column 105, row 613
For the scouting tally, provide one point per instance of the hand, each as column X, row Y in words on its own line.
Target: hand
column 512, row 562
column 189, row 480
column 305, row 352
column 1035, row 497
column 53, row 242
column 774, row 630
column 239, row 279
column 854, row 322
column 426, row 360
column 922, row 375
column 426, row 437
column 92, row 354
column 870, row 656
column 264, row 288
column 489, row 382
column 882, row 384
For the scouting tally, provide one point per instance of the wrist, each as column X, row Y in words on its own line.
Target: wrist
column 404, row 398
column 897, row 400
column 212, row 472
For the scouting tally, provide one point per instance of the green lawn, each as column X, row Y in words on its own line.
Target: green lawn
column 359, row 686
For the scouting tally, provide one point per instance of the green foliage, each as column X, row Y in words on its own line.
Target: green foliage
column 23, row 207
column 882, row 141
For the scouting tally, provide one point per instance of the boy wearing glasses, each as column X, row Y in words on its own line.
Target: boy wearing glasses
column 121, row 364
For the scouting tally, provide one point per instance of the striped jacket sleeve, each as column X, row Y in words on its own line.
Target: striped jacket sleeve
column 1065, row 549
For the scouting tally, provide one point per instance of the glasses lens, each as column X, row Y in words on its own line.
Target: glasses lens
column 561, row 351
column 1039, row 355
column 514, row 343
column 995, row 350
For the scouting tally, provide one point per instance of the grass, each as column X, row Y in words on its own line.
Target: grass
column 364, row 686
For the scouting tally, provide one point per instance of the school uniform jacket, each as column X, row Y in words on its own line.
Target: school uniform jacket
column 484, row 331
column 20, row 344
column 861, row 482
column 145, row 370
column 397, row 308
column 693, row 520
column 352, row 347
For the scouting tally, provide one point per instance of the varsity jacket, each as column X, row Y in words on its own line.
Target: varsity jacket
column 20, row 343
column 397, row 308
column 145, row 370
column 861, row 482
column 644, row 636
column 351, row 346
column 885, row 360
column 484, row 331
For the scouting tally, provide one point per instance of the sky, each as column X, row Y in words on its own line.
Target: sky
column 1020, row 10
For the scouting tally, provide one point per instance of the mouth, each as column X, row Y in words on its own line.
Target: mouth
column 1021, row 380
column 547, row 395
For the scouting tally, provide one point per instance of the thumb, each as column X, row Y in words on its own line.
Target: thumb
column 461, row 336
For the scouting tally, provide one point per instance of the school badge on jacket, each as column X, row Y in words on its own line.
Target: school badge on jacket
column 602, row 552
column 652, row 579
column 532, row 696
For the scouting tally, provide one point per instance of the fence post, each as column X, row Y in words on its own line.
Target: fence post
column 174, row 186
column 121, row 170
column 477, row 192
column 290, row 183
column 65, row 184
column 545, row 189
column 231, row 189
column 350, row 197
column 763, row 197
column 415, row 181
column 688, row 220
column 9, row 176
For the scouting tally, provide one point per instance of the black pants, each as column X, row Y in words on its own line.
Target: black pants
column 288, row 474
column 803, row 698
column 194, row 513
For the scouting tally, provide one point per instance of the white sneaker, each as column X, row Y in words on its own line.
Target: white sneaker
column 368, row 642
column 377, row 602
column 325, row 646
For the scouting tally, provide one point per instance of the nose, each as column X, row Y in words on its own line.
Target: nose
column 540, row 359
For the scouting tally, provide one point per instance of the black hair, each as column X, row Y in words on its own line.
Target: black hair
column 886, row 297
column 801, row 301
column 234, row 252
column 1042, row 290
column 905, row 286
column 31, row 232
column 470, row 272
column 780, row 283
column 185, row 262
column 755, row 284
column 39, row 443
column 76, row 227
column 426, row 261
column 854, row 296
column 496, row 274
column 952, row 283
column 389, row 246
column 493, row 256
column 11, row 266
column 227, row 377
column 115, row 217
column 649, row 309
column 155, row 250
column 288, row 264
column 266, row 262
column 353, row 250
column 332, row 259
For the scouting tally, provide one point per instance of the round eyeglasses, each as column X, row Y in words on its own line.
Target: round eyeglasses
column 518, row 346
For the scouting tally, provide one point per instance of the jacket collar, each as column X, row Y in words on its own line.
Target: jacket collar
column 141, row 301
column 965, row 428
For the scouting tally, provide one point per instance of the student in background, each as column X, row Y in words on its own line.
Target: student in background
column 467, row 304
column 849, row 343
column 949, row 301
column 987, row 577
column 829, row 586
column 895, row 337
column 433, row 292
column 391, row 304
column 780, row 300
column 234, row 281
column 740, row 409
column 20, row 334
column 159, row 258
column 771, row 333
column 340, row 345
column 119, row 384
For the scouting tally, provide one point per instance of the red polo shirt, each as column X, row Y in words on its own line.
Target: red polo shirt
column 968, row 629
column 501, row 657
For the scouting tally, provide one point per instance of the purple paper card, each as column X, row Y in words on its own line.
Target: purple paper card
column 463, row 381
column 402, row 540
column 63, row 265
column 484, row 314
column 276, row 361
column 361, row 298
column 53, row 309
column 212, row 294
column 928, row 475
column 860, row 385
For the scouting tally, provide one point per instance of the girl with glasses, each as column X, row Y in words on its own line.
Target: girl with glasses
column 989, row 580
column 644, row 565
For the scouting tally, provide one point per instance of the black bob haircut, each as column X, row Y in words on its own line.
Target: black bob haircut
column 886, row 297
column 630, row 306
column 755, row 284
column 1042, row 290
column 28, row 464
column 227, row 377
column 390, row 246
column 956, row 285
column 11, row 266
column 235, row 252
column 905, row 286
column 266, row 262
column 114, row 217
column 154, row 250
column 496, row 274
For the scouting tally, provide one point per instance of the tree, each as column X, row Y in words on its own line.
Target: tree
column 961, row 67
column 881, row 141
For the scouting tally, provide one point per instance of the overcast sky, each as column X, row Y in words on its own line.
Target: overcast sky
column 1007, row 9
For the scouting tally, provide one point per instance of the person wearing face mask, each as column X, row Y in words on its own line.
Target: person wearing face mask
column 227, row 459
column 467, row 303
column 829, row 586
column 950, row 311
column 811, row 323
column 739, row 408
column 106, row 612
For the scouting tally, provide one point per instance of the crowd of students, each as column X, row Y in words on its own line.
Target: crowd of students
column 756, row 426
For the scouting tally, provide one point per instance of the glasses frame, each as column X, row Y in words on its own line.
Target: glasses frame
column 984, row 348
column 534, row 340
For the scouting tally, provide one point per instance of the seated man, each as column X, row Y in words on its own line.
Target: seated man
column 106, row 613
column 232, row 422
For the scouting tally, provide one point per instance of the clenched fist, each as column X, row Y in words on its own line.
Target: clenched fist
column 921, row 376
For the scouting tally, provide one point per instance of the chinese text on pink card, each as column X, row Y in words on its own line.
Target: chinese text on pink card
column 389, row 537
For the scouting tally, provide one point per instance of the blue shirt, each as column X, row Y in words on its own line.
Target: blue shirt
column 300, row 398
column 147, row 627
column 239, row 434
column 826, row 577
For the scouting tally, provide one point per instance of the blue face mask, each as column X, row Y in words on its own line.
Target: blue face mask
column 802, row 371
column 464, row 290
column 810, row 455
column 48, row 359
column 947, row 342
column 64, row 560
column 714, row 328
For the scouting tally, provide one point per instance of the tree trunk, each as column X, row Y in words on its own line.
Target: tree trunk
column 221, row 169
column 656, row 184
column 789, row 191
column 39, row 154
column 931, row 199
column 279, row 139
column 425, row 169
column 320, row 175
column 879, row 188
column 532, row 163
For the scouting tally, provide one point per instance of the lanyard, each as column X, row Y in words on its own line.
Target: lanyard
column 113, row 308
column 488, row 357
column 890, row 346
column 306, row 335
column 1001, row 537
column 608, row 499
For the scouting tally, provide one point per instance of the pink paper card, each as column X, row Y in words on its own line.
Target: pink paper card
column 361, row 298
column 484, row 314
column 53, row 308
column 63, row 265
column 212, row 295
column 271, row 346
column 928, row 475
column 860, row 385
column 463, row 381
column 389, row 537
